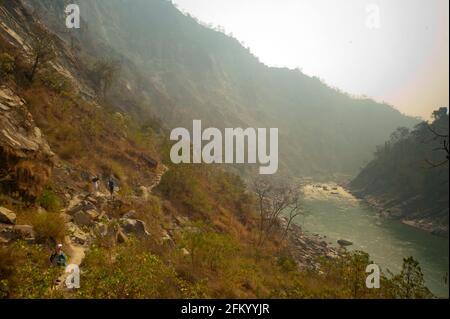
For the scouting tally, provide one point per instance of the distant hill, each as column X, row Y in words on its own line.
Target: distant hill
column 183, row 70
column 408, row 179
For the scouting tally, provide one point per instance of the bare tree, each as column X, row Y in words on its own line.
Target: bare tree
column 104, row 74
column 295, row 210
column 275, row 199
column 42, row 51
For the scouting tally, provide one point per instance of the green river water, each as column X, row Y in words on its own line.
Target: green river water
column 387, row 241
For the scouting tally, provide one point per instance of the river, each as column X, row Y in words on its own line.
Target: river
column 336, row 214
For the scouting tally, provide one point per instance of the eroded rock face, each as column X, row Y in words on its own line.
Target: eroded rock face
column 135, row 227
column 11, row 233
column 7, row 216
column 26, row 160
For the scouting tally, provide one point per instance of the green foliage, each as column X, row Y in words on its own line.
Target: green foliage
column 125, row 191
column 347, row 275
column 129, row 271
column 181, row 184
column 43, row 51
column 56, row 82
column 410, row 171
column 7, row 65
column 49, row 200
column 287, row 263
column 410, row 283
column 104, row 73
column 209, row 249
column 49, row 227
column 25, row 272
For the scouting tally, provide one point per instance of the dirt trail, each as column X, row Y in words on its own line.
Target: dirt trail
column 76, row 252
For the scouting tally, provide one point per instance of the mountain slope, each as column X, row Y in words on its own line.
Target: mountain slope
column 195, row 236
column 408, row 179
column 200, row 73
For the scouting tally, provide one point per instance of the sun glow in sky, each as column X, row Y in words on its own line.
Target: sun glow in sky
column 404, row 61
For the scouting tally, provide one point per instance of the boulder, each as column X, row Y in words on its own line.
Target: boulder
column 7, row 216
column 74, row 209
column 6, row 233
column 25, row 232
column 10, row 233
column 82, row 218
column 76, row 234
column 95, row 215
column 80, row 206
column 343, row 242
column 135, row 227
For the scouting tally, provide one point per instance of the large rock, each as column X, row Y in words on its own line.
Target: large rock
column 6, row 233
column 7, row 216
column 10, row 233
column 93, row 214
column 344, row 242
column 135, row 227
column 26, row 161
column 25, row 232
column 79, row 206
column 76, row 234
column 83, row 219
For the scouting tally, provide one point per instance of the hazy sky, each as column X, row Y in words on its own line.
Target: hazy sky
column 404, row 61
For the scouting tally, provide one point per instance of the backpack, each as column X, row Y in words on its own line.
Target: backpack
column 52, row 257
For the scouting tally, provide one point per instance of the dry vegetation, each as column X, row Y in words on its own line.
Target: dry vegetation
column 224, row 260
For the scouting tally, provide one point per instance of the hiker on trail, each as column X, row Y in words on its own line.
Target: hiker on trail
column 95, row 183
column 111, row 186
column 58, row 258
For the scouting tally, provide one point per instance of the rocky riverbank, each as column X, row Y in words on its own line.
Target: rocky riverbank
column 400, row 210
column 307, row 248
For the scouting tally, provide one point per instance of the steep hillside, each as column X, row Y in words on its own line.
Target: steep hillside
column 408, row 179
column 160, row 232
column 188, row 71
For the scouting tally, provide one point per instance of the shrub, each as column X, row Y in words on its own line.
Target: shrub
column 181, row 185
column 128, row 271
column 25, row 272
column 7, row 65
column 49, row 227
column 56, row 82
column 410, row 282
column 50, row 201
column 287, row 263
column 209, row 249
column 125, row 191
